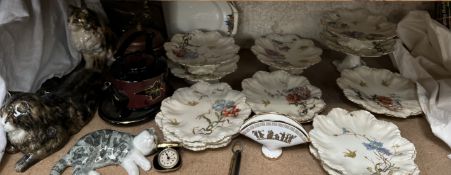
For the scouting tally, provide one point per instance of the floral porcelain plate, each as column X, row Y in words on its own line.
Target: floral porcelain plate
column 359, row 24
column 199, row 48
column 380, row 91
column 287, row 52
column 223, row 70
column 283, row 93
column 185, row 16
column 356, row 47
column 274, row 132
column 204, row 113
column 357, row 143
column 194, row 146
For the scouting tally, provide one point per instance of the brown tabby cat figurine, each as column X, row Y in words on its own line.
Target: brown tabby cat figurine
column 89, row 36
column 39, row 124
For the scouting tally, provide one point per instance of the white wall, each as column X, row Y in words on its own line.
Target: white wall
column 303, row 18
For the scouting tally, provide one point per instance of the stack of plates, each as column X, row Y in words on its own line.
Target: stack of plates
column 203, row 116
column 358, row 32
column 286, row 52
column 357, row 143
column 202, row 56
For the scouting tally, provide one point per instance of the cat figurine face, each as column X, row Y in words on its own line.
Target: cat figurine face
column 108, row 147
column 145, row 142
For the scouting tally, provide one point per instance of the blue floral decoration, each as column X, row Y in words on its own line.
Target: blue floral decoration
column 378, row 146
column 220, row 105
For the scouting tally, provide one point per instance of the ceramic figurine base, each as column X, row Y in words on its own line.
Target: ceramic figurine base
column 271, row 153
column 349, row 62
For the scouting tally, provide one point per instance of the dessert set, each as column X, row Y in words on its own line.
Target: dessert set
column 206, row 116
column 358, row 33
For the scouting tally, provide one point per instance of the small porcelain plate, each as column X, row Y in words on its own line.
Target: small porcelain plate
column 223, row 70
column 359, row 24
column 205, row 113
column 283, row 93
column 357, row 47
column 184, row 16
column 286, row 52
column 380, row 91
column 200, row 49
column 357, row 143
column 194, row 146
column 274, row 132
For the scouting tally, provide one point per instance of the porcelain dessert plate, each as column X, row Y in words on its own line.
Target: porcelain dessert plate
column 199, row 48
column 274, row 132
column 359, row 24
column 283, row 93
column 356, row 47
column 194, row 146
column 223, row 70
column 204, row 113
column 183, row 17
column 357, row 143
column 286, row 52
column 380, row 91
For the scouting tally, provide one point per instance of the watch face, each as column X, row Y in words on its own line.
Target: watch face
column 168, row 158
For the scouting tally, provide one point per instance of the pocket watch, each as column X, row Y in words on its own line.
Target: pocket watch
column 168, row 158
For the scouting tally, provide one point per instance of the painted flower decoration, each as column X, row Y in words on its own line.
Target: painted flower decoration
column 226, row 107
column 297, row 95
column 378, row 146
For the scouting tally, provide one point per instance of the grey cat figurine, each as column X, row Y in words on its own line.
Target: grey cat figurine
column 108, row 147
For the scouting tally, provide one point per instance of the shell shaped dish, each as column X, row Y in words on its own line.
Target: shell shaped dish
column 359, row 24
column 357, row 143
column 199, row 48
column 194, row 146
column 274, row 133
column 283, row 93
column 287, row 52
column 357, row 47
column 221, row 71
column 204, row 113
column 380, row 91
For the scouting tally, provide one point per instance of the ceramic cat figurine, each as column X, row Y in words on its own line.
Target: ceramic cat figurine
column 89, row 36
column 108, row 147
column 38, row 124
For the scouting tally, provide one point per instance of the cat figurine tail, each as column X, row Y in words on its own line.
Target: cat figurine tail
column 108, row 147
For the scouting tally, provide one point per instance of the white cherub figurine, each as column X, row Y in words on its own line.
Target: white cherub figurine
column 108, row 147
